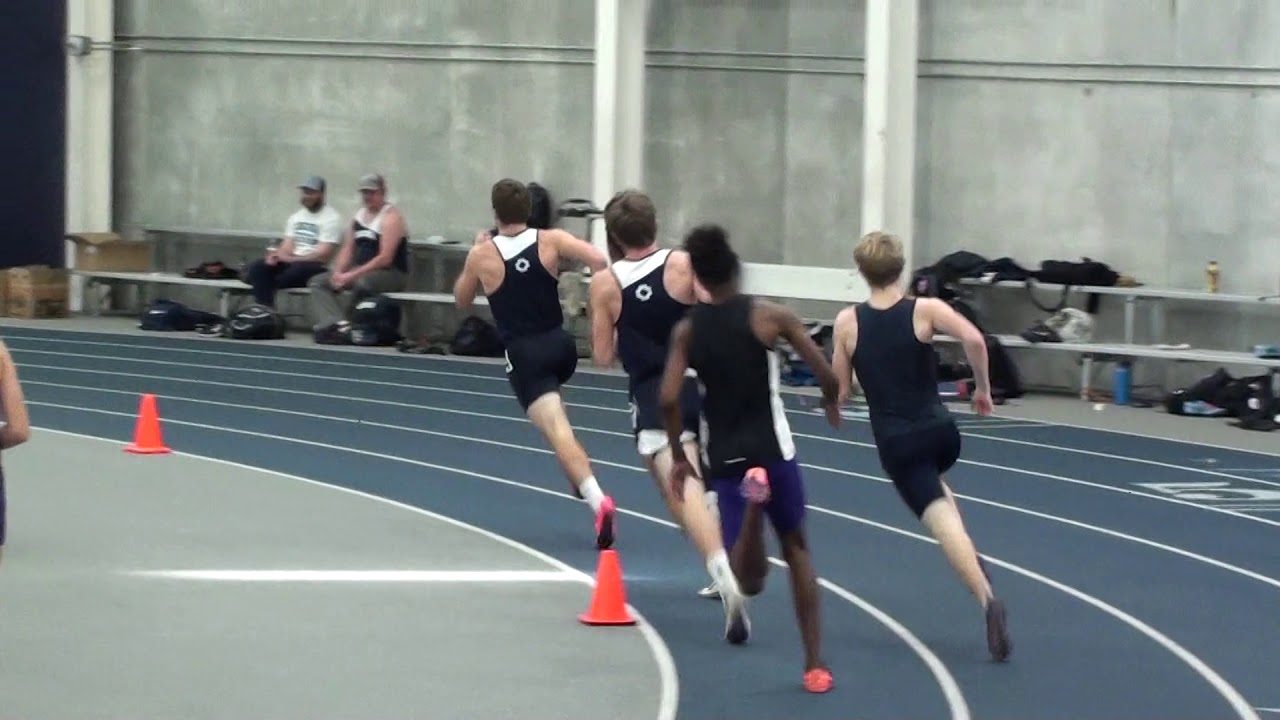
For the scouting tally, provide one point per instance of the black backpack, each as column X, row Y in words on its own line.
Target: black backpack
column 254, row 322
column 1006, row 381
column 939, row 279
column 1262, row 407
column 476, row 338
column 168, row 316
column 375, row 322
column 539, row 207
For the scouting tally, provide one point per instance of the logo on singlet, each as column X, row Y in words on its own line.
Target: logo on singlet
column 522, row 265
column 644, row 292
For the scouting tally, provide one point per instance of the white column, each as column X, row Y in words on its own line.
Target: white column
column 618, row 151
column 89, row 125
column 889, row 119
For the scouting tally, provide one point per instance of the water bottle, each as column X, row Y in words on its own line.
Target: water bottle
column 1121, row 383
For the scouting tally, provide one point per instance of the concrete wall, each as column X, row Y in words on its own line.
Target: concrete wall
column 1138, row 133
column 1141, row 133
column 447, row 96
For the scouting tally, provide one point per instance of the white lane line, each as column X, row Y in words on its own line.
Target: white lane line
column 669, row 694
column 606, row 463
column 959, row 708
column 365, row 576
column 474, row 393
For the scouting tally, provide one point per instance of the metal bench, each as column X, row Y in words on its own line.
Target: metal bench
column 226, row 288
column 229, row 288
column 1111, row 352
column 1133, row 295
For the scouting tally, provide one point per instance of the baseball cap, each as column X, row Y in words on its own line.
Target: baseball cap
column 315, row 182
column 372, row 181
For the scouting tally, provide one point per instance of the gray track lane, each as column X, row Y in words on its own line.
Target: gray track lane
column 85, row 637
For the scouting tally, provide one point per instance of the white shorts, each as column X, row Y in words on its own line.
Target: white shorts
column 652, row 442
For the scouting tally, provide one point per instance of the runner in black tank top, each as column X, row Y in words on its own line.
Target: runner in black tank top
column 886, row 343
column 634, row 307
column 514, row 267
column 748, row 452
column 646, row 315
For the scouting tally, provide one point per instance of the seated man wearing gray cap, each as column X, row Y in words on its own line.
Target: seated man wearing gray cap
column 373, row 259
column 310, row 236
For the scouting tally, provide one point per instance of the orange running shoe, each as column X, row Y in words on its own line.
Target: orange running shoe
column 818, row 680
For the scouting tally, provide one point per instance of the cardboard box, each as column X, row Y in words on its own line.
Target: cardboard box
column 37, row 291
column 110, row 252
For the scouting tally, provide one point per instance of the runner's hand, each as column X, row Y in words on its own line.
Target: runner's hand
column 681, row 470
column 982, row 402
column 832, row 408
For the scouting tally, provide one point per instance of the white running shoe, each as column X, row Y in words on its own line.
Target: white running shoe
column 737, row 625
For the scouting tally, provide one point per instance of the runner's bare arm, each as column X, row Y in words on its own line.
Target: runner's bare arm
column 604, row 304
column 673, row 381
column 468, row 282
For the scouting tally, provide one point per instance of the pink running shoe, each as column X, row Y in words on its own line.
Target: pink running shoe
column 755, row 486
column 604, row 524
column 818, row 680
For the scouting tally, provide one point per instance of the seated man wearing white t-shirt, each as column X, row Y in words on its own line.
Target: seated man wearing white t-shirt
column 310, row 238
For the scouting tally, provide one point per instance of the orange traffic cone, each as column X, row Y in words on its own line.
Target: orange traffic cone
column 609, row 599
column 146, row 433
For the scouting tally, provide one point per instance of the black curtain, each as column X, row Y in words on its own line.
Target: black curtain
column 33, row 123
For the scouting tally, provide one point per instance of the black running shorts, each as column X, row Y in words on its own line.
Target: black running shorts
column 915, row 461
column 540, row 364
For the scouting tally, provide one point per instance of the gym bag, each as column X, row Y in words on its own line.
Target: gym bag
column 476, row 338
column 375, row 321
column 254, row 322
column 168, row 316
column 539, row 206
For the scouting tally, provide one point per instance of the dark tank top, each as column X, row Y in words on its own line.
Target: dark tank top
column 745, row 421
column 898, row 373
column 528, row 300
column 647, row 316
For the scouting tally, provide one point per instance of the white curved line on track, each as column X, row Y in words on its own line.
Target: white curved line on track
column 474, row 393
column 1242, row 707
column 1244, row 572
column 399, row 367
column 950, row 688
column 669, row 694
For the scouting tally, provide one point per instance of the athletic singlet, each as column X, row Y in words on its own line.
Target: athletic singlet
column 528, row 300
column 368, row 241
column 744, row 422
column 898, row 373
column 647, row 316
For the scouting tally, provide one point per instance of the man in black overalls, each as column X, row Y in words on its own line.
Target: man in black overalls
column 373, row 259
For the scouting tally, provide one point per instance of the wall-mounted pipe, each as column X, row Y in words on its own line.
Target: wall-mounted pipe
column 90, row 109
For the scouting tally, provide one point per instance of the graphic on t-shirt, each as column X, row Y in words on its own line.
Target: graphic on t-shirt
column 306, row 235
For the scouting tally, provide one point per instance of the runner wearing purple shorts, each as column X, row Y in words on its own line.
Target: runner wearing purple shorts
column 748, row 452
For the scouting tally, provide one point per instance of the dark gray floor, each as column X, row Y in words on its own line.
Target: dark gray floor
column 83, row 636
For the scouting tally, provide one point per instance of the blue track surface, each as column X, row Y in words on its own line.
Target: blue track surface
column 1142, row 575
